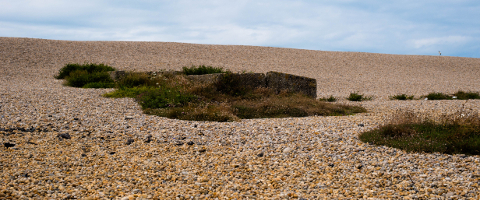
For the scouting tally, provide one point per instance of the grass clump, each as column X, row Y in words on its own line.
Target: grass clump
column 402, row 97
column 202, row 69
column 466, row 95
column 354, row 96
column 461, row 95
column 89, row 68
column 438, row 96
column 457, row 133
column 86, row 75
column 179, row 98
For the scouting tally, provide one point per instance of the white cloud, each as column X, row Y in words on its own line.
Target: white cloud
column 435, row 41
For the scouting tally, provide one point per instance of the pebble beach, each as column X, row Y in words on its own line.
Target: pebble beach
column 72, row 143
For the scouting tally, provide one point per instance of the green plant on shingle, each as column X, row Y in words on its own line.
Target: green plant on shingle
column 438, row 96
column 402, row 97
column 466, row 95
column 354, row 96
column 82, row 78
column 86, row 75
column 164, row 97
column 456, row 133
column 131, row 80
column 90, row 68
column 202, row 69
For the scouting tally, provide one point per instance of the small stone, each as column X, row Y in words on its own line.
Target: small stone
column 190, row 143
column 136, row 191
column 111, row 153
column 8, row 145
column 128, row 117
column 76, row 118
column 178, row 143
column 148, row 139
column 64, row 136
column 449, row 194
column 260, row 154
column 287, row 150
column 331, row 165
column 361, row 125
column 130, row 141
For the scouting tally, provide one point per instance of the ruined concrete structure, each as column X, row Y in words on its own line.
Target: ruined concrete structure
column 275, row 80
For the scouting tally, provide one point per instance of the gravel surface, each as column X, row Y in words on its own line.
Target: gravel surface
column 60, row 142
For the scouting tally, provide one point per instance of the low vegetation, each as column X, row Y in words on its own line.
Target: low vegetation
column 438, row 96
column 457, row 133
column 354, row 96
column 177, row 97
column 87, row 75
column 202, row 69
column 467, row 95
column 461, row 95
column 402, row 97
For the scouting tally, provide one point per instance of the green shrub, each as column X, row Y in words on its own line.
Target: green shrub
column 290, row 105
column 457, row 133
column 86, row 75
column 82, row 78
column 128, row 92
column 354, row 96
column 99, row 85
column 202, row 69
column 90, row 68
column 198, row 112
column 164, row 97
column 131, row 80
column 466, row 95
column 402, row 97
column 438, row 96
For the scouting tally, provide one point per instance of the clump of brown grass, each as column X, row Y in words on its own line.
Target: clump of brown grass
column 451, row 133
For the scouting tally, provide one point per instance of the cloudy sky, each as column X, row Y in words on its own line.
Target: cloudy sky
column 421, row 27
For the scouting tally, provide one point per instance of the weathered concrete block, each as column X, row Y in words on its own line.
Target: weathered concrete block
column 250, row 80
column 274, row 80
column 281, row 81
column 206, row 78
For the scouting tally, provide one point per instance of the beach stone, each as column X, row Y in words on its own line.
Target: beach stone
column 148, row 138
column 287, row 150
column 224, row 162
column 130, row 141
column 8, row 145
column 64, row 136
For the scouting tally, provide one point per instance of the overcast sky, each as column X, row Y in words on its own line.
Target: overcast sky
column 421, row 27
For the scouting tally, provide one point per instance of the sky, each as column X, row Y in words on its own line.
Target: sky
column 408, row 27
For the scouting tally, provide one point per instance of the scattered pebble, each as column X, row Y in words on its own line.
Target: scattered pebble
column 289, row 158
